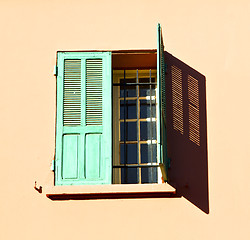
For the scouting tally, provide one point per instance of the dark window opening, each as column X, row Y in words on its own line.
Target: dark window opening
column 134, row 127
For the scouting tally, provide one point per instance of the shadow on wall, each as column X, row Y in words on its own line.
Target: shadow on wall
column 187, row 132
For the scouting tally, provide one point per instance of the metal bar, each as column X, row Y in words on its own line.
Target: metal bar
column 134, row 84
column 151, row 128
column 141, row 120
column 138, row 124
column 135, row 166
column 134, row 142
column 113, row 140
column 125, row 126
column 134, row 98
column 128, row 120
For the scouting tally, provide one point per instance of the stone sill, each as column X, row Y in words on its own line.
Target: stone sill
column 114, row 191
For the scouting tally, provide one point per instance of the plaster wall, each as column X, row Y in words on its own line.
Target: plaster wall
column 210, row 36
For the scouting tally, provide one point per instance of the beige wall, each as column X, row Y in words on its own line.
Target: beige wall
column 211, row 36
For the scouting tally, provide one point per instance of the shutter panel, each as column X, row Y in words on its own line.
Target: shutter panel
column 161, row 106
column 84, row 127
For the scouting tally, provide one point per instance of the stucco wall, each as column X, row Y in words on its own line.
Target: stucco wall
column 212, row 37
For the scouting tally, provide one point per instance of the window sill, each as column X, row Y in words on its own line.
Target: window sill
column 115, row 191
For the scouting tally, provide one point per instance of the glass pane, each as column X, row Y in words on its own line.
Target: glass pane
column 149, row 175
column 130, row 131
column 129, row 175
column 131, row 154
column 130, row 109
column 128, row 80
column 145, row 109
column 146, row 128
column 146, row 79
column 130, row 91
column 146, row 151
column 145, row 90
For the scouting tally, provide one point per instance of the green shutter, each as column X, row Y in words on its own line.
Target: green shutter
column 83, row 125
column 161, row 109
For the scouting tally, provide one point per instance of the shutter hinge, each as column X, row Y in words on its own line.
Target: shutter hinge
column 55, row 70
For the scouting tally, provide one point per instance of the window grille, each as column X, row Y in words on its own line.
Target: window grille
column 137, row 128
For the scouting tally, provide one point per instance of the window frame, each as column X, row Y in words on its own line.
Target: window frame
column 161, row 138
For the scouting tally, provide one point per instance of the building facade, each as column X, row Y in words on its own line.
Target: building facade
column 207, row 83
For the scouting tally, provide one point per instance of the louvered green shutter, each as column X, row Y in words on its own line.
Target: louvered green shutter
column 83, row 125
column 161, row 109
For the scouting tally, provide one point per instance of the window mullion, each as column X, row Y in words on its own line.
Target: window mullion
column 138, row 126
column 125, row 126
column 151, row 125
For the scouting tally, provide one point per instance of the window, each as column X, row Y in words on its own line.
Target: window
column 111, row 117
column 134, row 126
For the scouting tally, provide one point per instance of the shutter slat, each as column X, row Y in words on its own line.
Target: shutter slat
column 193, row 97
column 94, row 94
column 177, row 99
column 72, row 93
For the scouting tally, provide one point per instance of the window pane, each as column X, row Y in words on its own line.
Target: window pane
column 145, row 109
column 130, row 91
column 129, row 175
column 145, row 91
column 146, row 80
column 145, row 130
column 130, row 131
column 128, row 80
column 131, row 154
column 146, row 150
column 149, row 175
column 130, row 107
